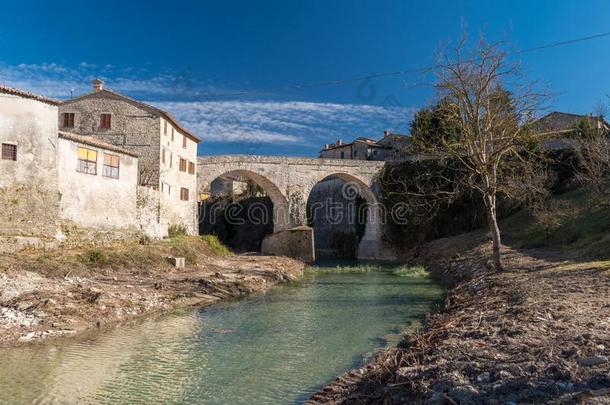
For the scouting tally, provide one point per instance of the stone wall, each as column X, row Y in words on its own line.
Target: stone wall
column 28, row 187
column 132, row 127
column 149, row 213
column 297, row 242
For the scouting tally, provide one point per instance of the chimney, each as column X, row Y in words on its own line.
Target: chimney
column 386, row 133
column 98, row 85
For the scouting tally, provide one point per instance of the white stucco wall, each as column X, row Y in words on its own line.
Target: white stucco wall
column 95, row 200
column 174, row 210
column 28, row 186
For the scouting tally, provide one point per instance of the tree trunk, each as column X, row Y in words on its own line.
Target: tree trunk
column 492, row 224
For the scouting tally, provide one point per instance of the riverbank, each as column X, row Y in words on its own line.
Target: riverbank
column 537, row 332
column 65, row 292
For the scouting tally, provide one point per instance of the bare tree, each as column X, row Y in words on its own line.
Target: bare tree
column 485, row 99
column 591, row 146
column 146, row 175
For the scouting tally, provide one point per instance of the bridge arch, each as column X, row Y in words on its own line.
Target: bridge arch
column 281, row 217
column 351, row 187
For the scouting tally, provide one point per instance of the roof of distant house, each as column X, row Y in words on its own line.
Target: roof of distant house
column 156, row 110
column 97, row 143
column 26, row 94
column 557, row 121
column 373, row 143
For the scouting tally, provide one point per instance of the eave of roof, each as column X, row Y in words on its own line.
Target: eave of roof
column 165, row 114
column 26, row 94
column 92, row 141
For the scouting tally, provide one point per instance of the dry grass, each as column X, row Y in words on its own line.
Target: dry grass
column 134, row 257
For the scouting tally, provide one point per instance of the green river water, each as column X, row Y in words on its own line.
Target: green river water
column 273, row 348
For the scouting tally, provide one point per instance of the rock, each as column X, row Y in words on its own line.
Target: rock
column 600, row 392
column 177, row 262
column 483, row 377
column 562, row 386
column 591, row 361
column 407, row 373
column 464, row 394
column 27, row 337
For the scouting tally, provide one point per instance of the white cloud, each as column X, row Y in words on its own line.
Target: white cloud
column 296, row 122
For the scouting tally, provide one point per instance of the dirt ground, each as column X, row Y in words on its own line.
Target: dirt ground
column 539, row 332
column 61, row 293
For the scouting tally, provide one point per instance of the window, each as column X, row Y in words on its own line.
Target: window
column 184, row 194
column 68, row 120
column 105, row 121
column 165, row 127
column 184, row 141
column 182, row 166
column 191, row 168
column 87, row 161
column 9, row 151
column 111, row 166
column 171, row 159
column 172, row 134
column 342, row 155
column 166, row 188
column 162, row 155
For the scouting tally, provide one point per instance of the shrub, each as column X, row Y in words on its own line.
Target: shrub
column 216, row 245
column 176, row 230
column 95, row 256
column 144, row 240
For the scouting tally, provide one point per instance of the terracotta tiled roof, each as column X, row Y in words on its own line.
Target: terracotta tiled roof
column 165, row 114
column 26, row 94
column 92, row 141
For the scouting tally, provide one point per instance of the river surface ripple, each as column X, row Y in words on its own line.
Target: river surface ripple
column 276, row 347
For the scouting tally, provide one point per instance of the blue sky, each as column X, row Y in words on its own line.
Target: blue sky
column 223, row 67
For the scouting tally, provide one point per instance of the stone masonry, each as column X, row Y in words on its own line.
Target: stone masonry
column 289, row 181
column 167, row 152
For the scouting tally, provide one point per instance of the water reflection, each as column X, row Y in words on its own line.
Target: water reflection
column 277, row 347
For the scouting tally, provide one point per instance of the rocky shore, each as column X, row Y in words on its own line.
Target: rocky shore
column 62, row 293
column 538, row 332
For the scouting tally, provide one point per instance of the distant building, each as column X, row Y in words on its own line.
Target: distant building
column 559, row 125
column 167, row 151
column 59, row 187
column 391, row 147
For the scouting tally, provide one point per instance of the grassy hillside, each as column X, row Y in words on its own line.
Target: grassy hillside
column 572, row 224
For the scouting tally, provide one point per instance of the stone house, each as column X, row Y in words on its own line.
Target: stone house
column 359, row 149
column 390, row 147
column 558, row 126
column 59, row 187
column 167, row 151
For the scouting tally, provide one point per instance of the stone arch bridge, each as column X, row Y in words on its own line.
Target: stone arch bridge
column 288, row 182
